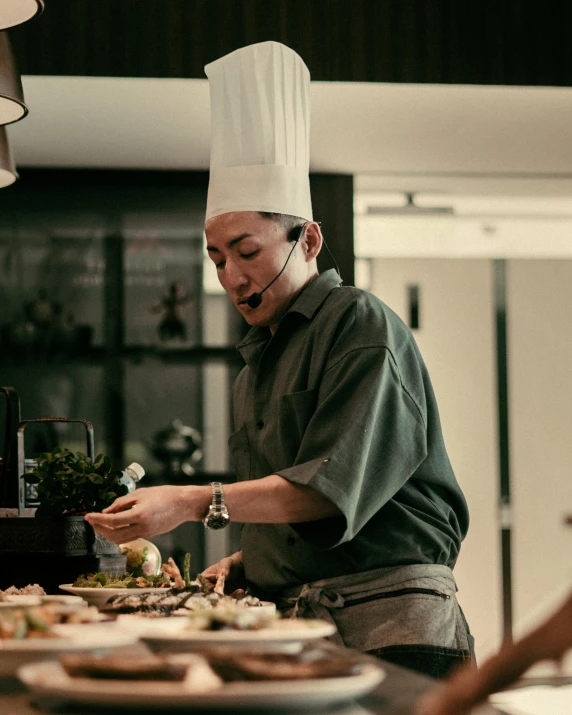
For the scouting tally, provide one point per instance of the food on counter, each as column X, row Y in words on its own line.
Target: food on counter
column 227, row 615
column 174, row 602
column 192, row 669
column 35, row 622
column 136, row 577
column 126, row 580
column 214, row 666
column 180, row 597
column 19, row 623
column 171, row 570
column 114, row 668
column 311, row 662
column 32, row 589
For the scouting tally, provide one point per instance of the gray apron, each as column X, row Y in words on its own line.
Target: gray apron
column 399, row 605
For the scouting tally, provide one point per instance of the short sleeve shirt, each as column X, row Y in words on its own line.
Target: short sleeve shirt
column 339, row 399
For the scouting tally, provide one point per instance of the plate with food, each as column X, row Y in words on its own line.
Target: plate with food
column 30, row 595
column 232, row 626
column 170, row 594
column 99, row 596
column 223, row 680
column 40, row 633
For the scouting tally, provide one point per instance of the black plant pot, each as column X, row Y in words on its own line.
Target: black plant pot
column 53, row 551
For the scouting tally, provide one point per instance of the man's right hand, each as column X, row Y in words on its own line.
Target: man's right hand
column 232, row 569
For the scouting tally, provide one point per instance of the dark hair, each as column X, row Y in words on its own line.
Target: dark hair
column 286, row 222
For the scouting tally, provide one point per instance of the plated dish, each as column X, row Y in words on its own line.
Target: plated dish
column 154, row 602
column 51, row 680
column 178, row 636
column 21, row 600
column 66, row 639
column 99, row 596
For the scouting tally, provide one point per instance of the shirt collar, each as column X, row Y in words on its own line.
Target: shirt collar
column 314, row 294
column 306, row 304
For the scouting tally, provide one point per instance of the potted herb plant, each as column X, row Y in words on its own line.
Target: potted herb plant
column 58, row 488
column 71, row 484
column 68, row 485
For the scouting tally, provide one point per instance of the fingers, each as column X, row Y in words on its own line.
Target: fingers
column 219, row 570
column 118, row 528
column 119, row 536
column 210, row 574
column 121, row 504
column 113, row 521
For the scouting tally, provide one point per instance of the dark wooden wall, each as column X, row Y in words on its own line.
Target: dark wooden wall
column 439, row 41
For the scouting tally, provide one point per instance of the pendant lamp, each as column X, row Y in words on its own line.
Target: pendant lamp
column 8, row 174
column 16, row 12
column 12, row 107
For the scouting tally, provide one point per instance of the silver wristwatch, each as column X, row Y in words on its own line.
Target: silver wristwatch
column 217, row 517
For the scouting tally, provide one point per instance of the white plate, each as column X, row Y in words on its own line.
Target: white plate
column 50, row 680
column 20, row 601
column 74, row 639
column 59, row 600
column 99, row 596
column 175, row 637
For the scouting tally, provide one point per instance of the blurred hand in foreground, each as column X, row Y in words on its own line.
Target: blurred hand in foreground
column 470, row 686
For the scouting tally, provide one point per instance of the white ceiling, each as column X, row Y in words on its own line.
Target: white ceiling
column 442, row 138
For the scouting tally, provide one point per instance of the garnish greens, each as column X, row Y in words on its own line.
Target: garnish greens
column 126, row 580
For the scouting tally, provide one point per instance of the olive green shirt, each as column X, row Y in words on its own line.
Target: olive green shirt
column 339, row 399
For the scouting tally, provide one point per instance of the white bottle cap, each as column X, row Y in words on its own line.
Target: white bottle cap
column 136, row 471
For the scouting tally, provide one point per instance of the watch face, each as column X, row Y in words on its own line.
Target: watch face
column 217, row 520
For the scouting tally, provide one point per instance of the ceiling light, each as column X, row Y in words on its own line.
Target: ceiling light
column 8, row 173
column 16, row 12
column 409, row 208
column 12, row 107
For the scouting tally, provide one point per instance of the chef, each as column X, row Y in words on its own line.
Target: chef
column 350, row 507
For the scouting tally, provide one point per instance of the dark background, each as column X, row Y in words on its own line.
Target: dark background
column 513, row 42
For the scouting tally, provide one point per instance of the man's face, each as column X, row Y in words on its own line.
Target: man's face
column 248, row 252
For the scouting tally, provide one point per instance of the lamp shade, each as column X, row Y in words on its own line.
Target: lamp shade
column 16, row 12
column 12, row 107
column 8, row 174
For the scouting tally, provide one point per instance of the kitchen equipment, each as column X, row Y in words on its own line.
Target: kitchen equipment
column 179, row 448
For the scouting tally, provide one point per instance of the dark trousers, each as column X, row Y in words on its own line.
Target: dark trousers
column 430, row 660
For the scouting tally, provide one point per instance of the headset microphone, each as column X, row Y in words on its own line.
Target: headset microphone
column 255, row 299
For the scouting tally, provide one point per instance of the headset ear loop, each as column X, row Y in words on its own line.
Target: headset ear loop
column 328, row 250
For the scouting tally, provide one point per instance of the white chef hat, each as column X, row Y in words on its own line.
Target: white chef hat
column 260, row 132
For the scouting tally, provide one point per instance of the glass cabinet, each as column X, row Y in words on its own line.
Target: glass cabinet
column 105, row 316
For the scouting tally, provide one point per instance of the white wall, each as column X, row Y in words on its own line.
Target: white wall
column 539, row 295
column 456, row 338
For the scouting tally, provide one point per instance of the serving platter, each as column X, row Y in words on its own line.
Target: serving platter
column 89, row 638
column 50, row 680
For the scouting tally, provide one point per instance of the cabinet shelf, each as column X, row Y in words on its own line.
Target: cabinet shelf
column 133, row 353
